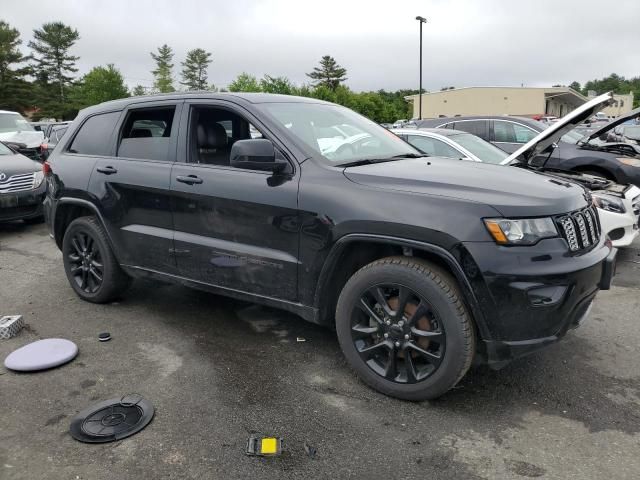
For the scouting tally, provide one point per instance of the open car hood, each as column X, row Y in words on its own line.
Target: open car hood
column 613, row 124
column 553, row 134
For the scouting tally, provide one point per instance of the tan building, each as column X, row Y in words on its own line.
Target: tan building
column 522, row 101
column 622, row 104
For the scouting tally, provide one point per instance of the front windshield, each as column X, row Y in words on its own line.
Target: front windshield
column 335, row 133
column 485, row 151
column 14, row 122
column 4, row 150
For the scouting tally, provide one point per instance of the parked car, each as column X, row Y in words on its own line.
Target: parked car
column 618, row 205
column 22, row 187
column 617, row 161
column 15, row 129
column 625, row 133
column 422, row 265
column 55, row 135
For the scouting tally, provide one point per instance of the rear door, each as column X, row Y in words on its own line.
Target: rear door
column 234, row 228
column 131, row 186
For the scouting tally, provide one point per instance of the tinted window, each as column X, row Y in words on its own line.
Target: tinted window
column 508, row 132
column 433, row 147
column 146, row 133
column 475, row 127
column 94, row 135
column 57, row 135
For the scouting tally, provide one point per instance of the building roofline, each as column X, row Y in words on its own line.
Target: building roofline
column 551, row 89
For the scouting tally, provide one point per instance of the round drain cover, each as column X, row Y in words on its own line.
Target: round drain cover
column 112, row 419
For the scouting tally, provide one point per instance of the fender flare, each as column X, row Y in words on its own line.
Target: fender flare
column 468, row 293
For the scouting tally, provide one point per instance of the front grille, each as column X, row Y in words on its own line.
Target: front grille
column 17, row 183
column 581, row 229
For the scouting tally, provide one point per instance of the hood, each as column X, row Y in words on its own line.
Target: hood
column 31, row 139
column 513, row 192
column 15, row 164
column 553, row 134
column 613, row 124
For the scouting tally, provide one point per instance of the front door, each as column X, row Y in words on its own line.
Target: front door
column 234, row 228
column 132, row 186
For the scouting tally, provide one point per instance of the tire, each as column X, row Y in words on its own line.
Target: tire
column 435, row 294
column 98, row 262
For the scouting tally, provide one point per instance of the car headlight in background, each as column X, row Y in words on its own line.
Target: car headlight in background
column 609, row 203
column 634, row 162
column 526, row 231
column 37, row 178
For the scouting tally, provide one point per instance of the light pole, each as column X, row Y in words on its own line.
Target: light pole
column 421, row 20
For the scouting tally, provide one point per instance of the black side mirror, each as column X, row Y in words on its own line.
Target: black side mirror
column 256, row 154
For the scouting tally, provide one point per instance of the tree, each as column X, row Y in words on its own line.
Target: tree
column 51, row 45
column 329, row 73
column 281, row 85
column 194, row 69
column 163, row 82
column 244, row 83
column 138, row 91
column 101, row 84
column 576, row 86
column 15, row 92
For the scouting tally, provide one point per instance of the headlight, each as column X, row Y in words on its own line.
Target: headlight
column 37, row 179
column 526, row 231
column 634, row 162
column 608, row 203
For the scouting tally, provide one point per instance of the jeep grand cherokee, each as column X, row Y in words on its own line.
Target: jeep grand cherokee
column 421, row 264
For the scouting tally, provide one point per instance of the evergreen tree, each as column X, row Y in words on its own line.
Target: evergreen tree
column 194, row 69
column 163, row 82
column 15, row 92
column 51, row 45
column 329, row 73
column 138, row 91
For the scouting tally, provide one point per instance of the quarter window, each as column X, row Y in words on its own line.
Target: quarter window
column 94, row 136
column 146, row 134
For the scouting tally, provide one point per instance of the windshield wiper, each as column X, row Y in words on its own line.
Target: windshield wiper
column 410, row 155
column 369, row 161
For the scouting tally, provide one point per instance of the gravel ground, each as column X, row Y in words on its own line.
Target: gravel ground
column 218, row 370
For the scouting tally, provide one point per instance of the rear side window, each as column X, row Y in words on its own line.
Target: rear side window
column 146, row 133
column 475, row 127
column 94, row 136
column 507, row 132
column 433, row 147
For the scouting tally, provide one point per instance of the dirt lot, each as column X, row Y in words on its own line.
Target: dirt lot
column 217, row 370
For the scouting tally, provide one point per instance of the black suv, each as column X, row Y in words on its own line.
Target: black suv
column 421, row 264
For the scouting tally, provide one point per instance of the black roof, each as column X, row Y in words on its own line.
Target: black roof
column 237, row 96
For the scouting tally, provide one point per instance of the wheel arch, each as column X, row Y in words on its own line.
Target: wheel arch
column 67, row 210
column 346, row 258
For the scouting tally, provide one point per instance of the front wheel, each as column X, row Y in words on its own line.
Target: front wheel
column 404, row 329
column 90, row 265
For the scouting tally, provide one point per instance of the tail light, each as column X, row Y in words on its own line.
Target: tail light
column 46, row 169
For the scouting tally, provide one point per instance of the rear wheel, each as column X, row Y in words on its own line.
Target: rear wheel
column 403, row 328
column 91, row 267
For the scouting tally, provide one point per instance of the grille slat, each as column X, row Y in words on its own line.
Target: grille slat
column 17, row 183
column 580, row 229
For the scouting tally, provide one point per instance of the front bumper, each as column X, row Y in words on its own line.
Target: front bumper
column 621, row 227
column 531, row 296
column 22, row 205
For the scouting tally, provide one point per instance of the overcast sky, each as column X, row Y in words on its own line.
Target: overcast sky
column 466, row 42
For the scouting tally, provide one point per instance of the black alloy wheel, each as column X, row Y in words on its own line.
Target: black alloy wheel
column 397, row 333
column 85, row 262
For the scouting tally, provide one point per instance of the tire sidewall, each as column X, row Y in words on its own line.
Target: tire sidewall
column 449, row 371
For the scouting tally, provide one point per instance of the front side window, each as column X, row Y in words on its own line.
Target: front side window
column 485, row 151
column 336, row 134
column 14, row 122
column 94, row 136
column 146, row 133
column 434, row 147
